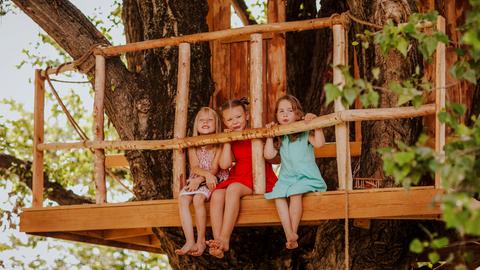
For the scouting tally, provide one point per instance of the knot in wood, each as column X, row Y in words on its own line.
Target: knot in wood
column 143, row 105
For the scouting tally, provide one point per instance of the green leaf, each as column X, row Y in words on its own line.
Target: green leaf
column 433, row 257
column 332, row 92
column 416, row 246
column 440, row 242
column 350, row 95
column 402, row 46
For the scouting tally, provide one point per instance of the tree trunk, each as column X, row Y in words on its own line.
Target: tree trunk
column 140, row 104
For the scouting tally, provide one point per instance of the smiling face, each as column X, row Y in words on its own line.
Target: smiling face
column 285, row 112
column 206, row 122
column 235, row 118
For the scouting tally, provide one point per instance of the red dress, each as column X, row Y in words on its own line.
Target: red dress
column 241, row 172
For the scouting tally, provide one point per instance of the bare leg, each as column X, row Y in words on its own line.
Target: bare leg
column 187, row 226
column 217, row 205
column 233, row 195
column 284, row 215
column 200, row 222
column 296, row 212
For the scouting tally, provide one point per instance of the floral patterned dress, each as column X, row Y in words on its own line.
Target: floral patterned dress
column 205, row 159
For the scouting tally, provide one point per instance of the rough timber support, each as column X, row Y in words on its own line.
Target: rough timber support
column 181, row 112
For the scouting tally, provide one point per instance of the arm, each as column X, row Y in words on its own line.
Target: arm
column 269, row 151
column 204, row 175
column 226, row 156
column 195, row 167
column 317, row 139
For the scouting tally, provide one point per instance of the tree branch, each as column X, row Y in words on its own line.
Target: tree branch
column 53, row 190
column 243, row 13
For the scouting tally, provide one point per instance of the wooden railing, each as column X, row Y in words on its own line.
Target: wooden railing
column 339, row 118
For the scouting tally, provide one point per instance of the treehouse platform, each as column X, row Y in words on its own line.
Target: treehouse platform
column 136, row 225
column 131, row 225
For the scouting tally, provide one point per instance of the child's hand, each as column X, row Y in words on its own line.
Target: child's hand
column 194, row 184
column 309, row 117
column 227, row 130
column 211, row 181
column 270, row 125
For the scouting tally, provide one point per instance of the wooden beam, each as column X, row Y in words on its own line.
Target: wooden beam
column 222, row 34
column 60, row 69
column 244, row 38
column 277, row 59
column 116, row 161
column 38, row 138
column 126, row 233
column 98, row 131
column 256, row 112
column 98, row 241
column 329, row 150
column 341, row 129
column 181, row 113
column 240, row 8
column 319, row 122
column 254, row 211
column 440, row 89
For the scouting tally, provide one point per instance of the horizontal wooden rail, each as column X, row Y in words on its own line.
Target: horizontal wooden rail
column 62, row 68
column 223, row 34
column 319, row 122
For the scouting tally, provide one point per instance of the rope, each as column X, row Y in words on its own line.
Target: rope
column 360, row 21
column 77, row 127
column 347, row 244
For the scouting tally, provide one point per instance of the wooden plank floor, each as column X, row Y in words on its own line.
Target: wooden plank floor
column 129, row 225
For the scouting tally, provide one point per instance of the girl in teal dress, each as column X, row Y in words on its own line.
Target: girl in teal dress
column 299, row 173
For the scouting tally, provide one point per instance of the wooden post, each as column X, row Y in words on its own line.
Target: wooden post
column 277, row 59
column 341, row 130
column 440, row 90
column 98, row 131
column 256, row 111
column 38, row 138
column 181, row 109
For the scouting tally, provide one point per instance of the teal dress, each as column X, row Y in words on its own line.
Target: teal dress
column 298, row 173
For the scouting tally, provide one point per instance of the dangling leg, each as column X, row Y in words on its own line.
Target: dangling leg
column 233, row 195
column 284, row 215
column 296, row 211
column 187, row 226
column 200, row 222
column 217, row 205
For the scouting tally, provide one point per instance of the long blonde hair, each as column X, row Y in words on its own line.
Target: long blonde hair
column 218, row 124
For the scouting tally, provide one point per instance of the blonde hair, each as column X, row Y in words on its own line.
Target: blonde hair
column 218, row 124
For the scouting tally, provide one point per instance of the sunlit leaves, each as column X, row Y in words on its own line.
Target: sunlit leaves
column 351, row 90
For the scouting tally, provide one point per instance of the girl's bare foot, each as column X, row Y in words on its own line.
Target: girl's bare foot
column 292, row 242
column 188, row 247
column 199, row 249
column 215, row 248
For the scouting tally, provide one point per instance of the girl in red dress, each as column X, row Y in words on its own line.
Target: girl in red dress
column 225, row 199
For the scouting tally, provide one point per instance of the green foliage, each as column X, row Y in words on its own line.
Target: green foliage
column 352, row 89
column 400, row 37
column 409, row 164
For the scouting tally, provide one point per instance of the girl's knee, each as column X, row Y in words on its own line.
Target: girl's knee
column 184, row 200
column 199, row 200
